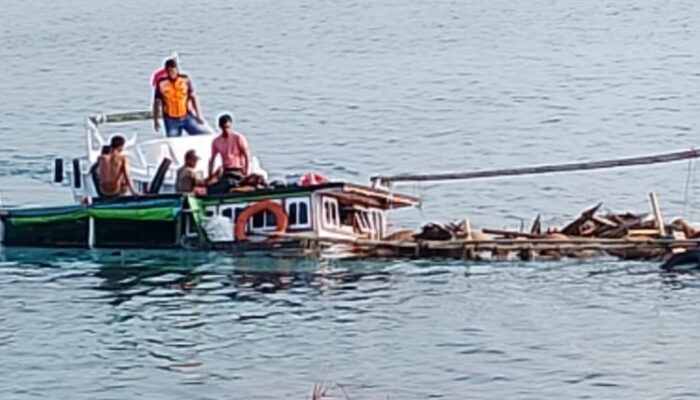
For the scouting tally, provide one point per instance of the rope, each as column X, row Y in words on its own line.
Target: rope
column 692, row 191
column 688, row 180
column 419, row 187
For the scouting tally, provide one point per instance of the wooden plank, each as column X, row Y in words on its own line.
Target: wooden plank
column 536, row 228
column 604, row 221
column 642, row 232
column 657, row 214
column 504, row 232
column 574, row 227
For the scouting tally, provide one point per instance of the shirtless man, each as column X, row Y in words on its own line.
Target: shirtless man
column 113, row 170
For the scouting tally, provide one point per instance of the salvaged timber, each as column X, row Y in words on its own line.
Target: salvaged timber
column 522, row 248
column 626, row 236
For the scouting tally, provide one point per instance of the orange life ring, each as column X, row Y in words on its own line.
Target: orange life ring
column 265, row 205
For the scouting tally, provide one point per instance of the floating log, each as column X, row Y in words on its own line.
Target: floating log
column 542, row 169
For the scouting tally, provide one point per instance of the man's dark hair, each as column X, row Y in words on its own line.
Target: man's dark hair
column 117, row 141
column 170, row 63
column 224, row 119
column 190, row 154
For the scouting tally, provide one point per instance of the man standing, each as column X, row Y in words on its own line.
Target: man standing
column 113, row 170
column 233, row 148
column 173, row 95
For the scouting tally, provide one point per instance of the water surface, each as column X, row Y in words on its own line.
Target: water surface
column 350, row 89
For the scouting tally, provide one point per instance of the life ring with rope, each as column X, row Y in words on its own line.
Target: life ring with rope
column 261, row 206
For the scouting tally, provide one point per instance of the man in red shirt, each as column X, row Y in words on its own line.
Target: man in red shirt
column 233, row 149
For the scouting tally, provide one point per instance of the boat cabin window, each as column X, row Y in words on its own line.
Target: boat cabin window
column 231, row 211
column 263, row 220
column 378, row 223
column 360, row 220
column 292, row 213
column 298, row 212
column 228, row 213
column 330, row 212
column 303, row 214
column 259, row 220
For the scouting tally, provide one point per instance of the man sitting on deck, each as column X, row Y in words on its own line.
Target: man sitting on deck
column 233, row 148
column 187, row 180
column 113, row 170
column 174, row 95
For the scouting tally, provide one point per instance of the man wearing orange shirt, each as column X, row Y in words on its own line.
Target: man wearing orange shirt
column 173, row 96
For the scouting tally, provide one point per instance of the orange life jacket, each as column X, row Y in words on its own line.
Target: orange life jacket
column 174, row 95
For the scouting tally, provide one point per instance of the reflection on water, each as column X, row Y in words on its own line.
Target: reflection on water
column 188, row 319
column 258, row 275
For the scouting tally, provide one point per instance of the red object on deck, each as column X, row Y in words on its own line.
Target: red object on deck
column 312, row 178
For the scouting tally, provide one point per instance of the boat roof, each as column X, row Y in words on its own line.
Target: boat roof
column 113, row 118
column 344, row 190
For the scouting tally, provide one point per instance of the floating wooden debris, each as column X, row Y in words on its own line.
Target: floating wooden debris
column 626, row 236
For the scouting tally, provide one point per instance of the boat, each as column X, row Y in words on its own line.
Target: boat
column 276, row 218
column 301, row 217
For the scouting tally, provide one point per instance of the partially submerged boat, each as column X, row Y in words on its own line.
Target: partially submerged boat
column 275, row 218
column 296, row 217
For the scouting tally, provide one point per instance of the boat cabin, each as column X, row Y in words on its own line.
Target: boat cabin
column 330, row 210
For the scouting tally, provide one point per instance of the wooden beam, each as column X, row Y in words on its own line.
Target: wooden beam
column 542, row 169
column 504, row 232
column 657, row 214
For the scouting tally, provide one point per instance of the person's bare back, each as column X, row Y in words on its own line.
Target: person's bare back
column 113, row 171
column 111, row 167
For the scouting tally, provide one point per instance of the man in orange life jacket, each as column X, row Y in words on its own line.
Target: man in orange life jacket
column 174, row 94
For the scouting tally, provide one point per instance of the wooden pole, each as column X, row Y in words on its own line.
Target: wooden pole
column 542, row 169
column 657, row 214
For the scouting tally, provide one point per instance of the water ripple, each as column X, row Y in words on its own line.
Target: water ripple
column 339, row 88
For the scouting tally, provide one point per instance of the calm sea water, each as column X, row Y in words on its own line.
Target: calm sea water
column 349, row 89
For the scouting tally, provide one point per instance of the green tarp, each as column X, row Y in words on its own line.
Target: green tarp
column 130, row 209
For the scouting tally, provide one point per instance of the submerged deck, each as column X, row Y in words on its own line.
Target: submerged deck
column 503, row 249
